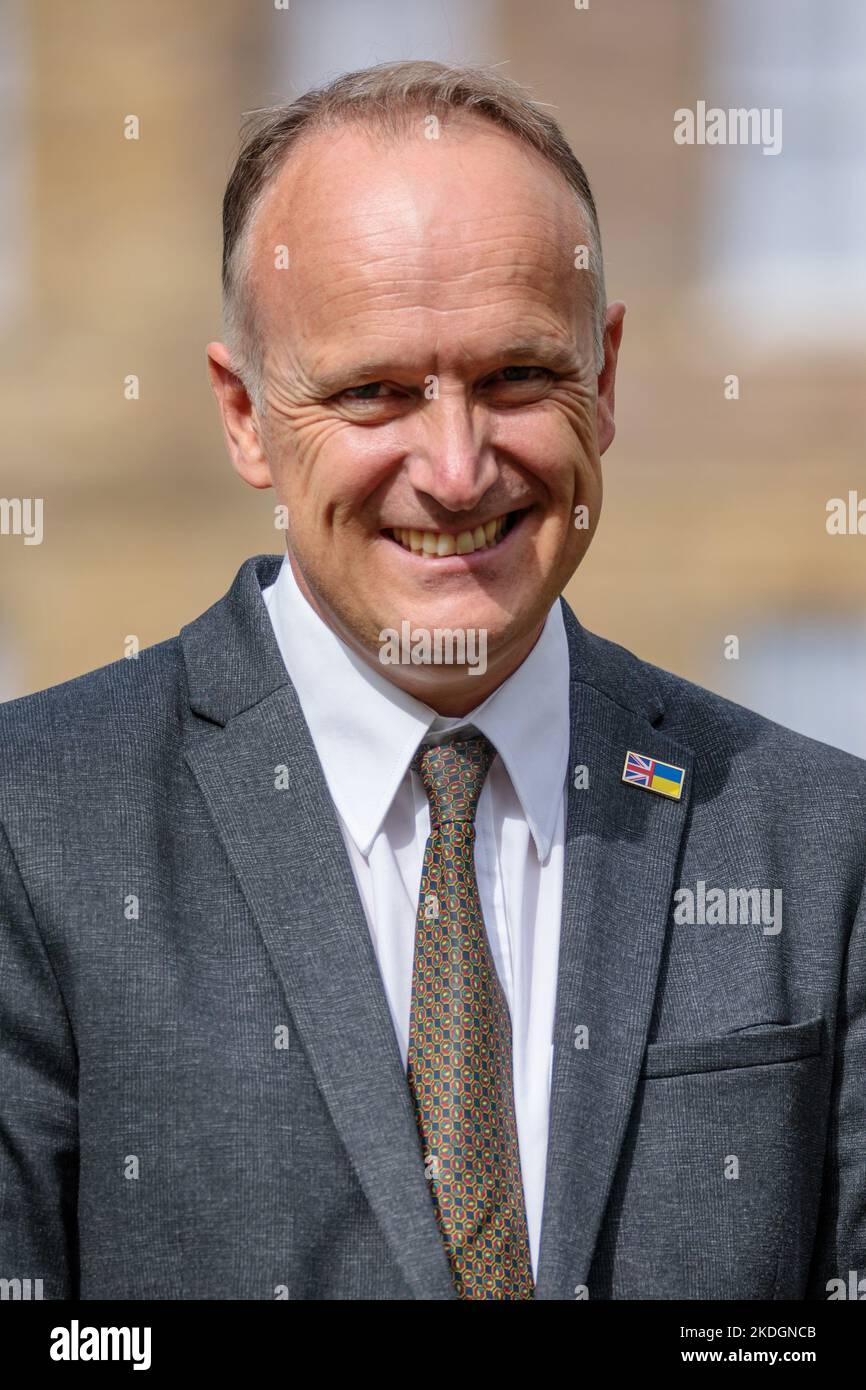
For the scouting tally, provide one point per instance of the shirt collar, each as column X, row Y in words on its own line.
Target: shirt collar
column 366, row 730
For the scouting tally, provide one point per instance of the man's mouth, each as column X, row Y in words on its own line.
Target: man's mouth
column 438, row 544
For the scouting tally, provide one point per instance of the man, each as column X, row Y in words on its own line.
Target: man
column 387, row 935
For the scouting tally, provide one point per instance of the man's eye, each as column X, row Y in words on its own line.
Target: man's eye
column 371, row 391
column 521, row 374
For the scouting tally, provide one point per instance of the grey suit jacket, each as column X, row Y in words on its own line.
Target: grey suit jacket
column 202, row 1095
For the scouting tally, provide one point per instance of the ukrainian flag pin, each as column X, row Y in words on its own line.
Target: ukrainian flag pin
column 641, row 770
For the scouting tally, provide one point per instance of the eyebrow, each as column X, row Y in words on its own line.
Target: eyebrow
column 543, row 351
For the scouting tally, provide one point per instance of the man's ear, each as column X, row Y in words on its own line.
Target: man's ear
column 239, row 418
column 606, row 428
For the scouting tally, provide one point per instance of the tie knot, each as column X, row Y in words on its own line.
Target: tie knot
column 453, row 775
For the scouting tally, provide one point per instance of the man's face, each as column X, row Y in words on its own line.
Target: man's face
column 431, row 416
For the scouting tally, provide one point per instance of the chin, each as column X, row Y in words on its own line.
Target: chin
column 502, row 621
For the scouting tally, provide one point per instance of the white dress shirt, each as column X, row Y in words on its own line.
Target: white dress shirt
column 366, row 731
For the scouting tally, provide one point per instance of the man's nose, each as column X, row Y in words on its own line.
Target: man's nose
column 452, row 459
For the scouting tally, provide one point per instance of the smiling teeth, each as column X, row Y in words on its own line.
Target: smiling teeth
column 439, row 543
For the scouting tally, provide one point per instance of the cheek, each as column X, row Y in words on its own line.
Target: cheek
column 558, row 455
column 323, row 467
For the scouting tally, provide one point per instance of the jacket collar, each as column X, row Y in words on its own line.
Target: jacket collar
column 231, row 656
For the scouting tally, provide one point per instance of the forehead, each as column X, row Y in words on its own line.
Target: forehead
column 393, row 233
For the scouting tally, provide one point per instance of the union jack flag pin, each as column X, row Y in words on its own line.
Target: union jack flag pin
column 641, row 770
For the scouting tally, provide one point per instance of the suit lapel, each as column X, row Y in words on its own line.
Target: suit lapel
column 288, row 853
column 621, row 852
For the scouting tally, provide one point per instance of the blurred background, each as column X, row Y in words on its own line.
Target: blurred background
column 732, row 264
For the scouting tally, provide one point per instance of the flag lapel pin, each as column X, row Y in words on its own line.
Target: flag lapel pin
column 641, row 770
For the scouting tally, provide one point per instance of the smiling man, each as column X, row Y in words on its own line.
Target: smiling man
column 424, row 359
column 326, row 975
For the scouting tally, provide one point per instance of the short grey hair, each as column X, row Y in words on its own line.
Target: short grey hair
column 385, row 97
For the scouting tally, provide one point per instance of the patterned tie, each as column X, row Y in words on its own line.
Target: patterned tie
column 460, row 1044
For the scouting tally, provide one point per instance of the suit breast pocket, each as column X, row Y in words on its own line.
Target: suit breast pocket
column 761, row 1046
column 717, row 1192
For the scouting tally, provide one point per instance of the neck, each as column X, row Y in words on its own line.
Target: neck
column 454, row 691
